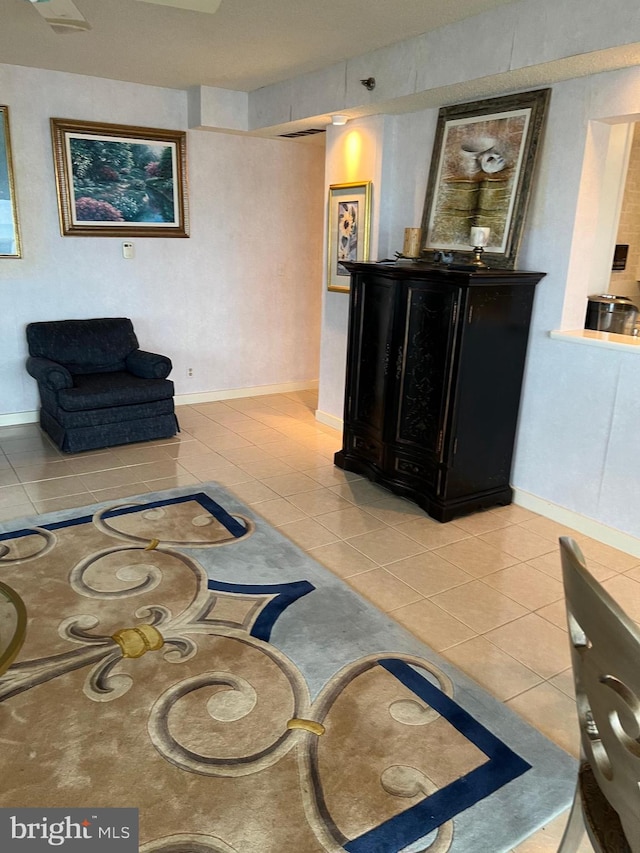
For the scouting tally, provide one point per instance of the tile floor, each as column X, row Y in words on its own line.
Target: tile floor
column 485, row 590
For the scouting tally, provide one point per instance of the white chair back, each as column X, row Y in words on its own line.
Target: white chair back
column 605, row 648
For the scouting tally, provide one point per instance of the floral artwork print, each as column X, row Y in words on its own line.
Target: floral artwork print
column 347, row 234
column 348, row 231
column 122, row 181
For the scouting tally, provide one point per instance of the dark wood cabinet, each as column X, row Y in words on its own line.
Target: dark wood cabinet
column 435, row 361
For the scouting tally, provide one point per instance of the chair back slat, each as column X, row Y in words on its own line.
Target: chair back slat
column 605, row 649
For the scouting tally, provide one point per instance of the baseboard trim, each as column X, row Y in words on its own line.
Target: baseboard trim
column 14, row 418
column 595, row 529
column 235, row 393
column 329, row 420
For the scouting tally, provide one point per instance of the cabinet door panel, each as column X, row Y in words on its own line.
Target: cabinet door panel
column 423, row 367
column 494, row 347
column 371, row 331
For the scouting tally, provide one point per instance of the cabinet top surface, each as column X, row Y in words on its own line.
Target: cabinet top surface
column 443, row 272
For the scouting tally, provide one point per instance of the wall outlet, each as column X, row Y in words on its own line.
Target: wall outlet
column 189, row 371
column 128, row 250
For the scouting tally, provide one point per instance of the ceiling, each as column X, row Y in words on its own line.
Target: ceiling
column 245, row 45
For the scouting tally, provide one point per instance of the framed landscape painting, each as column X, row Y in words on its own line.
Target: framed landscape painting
column 348, row 230
column 9, row 230
column 481, row 172
column 119, row 180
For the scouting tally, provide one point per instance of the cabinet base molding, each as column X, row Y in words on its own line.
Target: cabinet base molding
column 441, row 510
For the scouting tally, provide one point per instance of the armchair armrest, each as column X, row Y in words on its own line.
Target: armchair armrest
column 148, row 365
column 49, row 373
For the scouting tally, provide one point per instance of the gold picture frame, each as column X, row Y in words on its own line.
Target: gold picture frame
column 117, row 180
column 348, row 230
column 483, row 162
column 10, row 246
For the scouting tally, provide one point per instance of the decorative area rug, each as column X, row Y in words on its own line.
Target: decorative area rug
column 183, row 658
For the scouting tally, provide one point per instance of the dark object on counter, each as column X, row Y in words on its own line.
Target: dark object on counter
column 435, row 359
column 620, row 257
column 609, row 313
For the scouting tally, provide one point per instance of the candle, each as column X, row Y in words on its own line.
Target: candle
column 479, row 236
column 412, row 242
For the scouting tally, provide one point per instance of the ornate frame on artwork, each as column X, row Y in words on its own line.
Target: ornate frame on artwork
column 482, row 168
column 9, row 228
column 348, row 231
column 116, row 180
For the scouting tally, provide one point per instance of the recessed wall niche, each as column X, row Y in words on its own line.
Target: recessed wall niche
column 605, row 165
column 625, row 282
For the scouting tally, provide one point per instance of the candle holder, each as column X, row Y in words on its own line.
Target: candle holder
column 479, row 238
column 477, row 257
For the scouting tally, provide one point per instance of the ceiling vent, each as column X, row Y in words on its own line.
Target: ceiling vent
column 309, row 132
column 61, row 15
column 208, row 6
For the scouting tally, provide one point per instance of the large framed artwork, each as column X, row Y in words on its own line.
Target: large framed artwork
column 116, row 180
column 482, row 167
column 9, row 228
column 348, row 230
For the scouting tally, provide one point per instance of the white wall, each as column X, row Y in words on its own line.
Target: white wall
column 353, row 154
column 394, row 153
column 579, row 434
column 238, row 301
column 578, row 439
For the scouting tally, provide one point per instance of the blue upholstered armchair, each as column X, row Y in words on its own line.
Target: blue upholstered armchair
column 97, row 388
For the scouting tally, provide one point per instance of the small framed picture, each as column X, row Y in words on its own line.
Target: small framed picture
column 348, row 231
column 116, row 180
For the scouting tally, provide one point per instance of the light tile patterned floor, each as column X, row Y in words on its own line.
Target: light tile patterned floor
column 485, row 590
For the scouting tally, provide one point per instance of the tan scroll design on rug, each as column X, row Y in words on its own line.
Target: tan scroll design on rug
column 396, row 787
column 404, row 784
column 134, row 638
column 37, row 544
column 116, row 574
column 201, row 530
column 188, row 843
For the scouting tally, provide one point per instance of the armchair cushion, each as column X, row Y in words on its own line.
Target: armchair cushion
column 106, row 390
